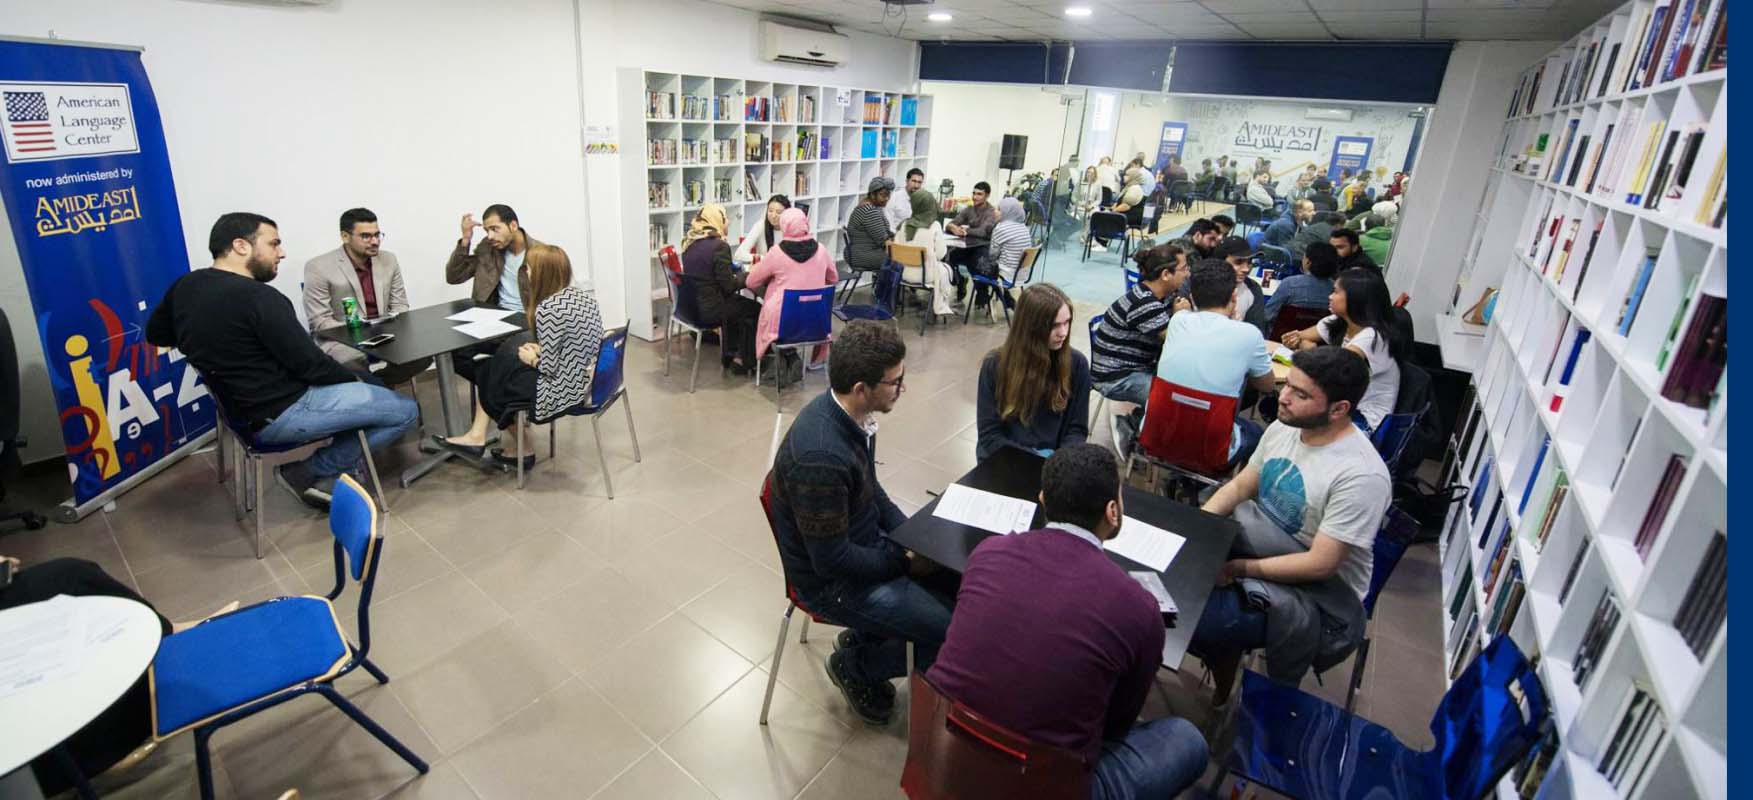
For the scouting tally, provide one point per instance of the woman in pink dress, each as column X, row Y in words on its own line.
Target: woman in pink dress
column 796, row 262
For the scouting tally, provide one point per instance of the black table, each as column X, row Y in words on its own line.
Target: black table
column 1016, row 473
column 421, row 333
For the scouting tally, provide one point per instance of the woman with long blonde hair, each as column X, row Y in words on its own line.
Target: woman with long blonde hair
column 544, row 370
column 1035, row 389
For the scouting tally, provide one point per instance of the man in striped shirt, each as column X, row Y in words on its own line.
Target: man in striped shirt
column 1127, row 343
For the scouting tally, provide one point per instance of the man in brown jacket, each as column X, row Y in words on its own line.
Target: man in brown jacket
column 497, row 264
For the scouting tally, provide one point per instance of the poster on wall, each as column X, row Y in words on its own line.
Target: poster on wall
column 1276, row 141
column 87, row 189
column 1349, row 153
column 1172, row 144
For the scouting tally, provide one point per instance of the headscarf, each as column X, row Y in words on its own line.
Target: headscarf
column 709, row 222
column 878, row 184
column 1135, row 176
column 924, row 212
column 794, row 225
column 1010, row 209
column 1388, row 210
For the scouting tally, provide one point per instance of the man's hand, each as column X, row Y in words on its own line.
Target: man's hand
column 955, row 229
column 919, row 566
column 1231, row 570
column 469, row 226
column 1182, row 304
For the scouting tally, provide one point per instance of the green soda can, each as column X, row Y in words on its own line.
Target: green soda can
column 351, row 308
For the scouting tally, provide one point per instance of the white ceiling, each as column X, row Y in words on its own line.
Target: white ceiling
column 1317, row 20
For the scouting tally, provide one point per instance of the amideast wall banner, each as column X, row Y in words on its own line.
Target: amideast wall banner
column 87, row 187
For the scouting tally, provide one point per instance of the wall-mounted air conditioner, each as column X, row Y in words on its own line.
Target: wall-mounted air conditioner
column 790, row 44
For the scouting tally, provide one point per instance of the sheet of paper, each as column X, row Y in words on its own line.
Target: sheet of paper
column 1154, row 584
column 42, row 644
column 985, row 510
column 1278, row 352
column 479, row 314
column 1147, row 544
column 485, row 328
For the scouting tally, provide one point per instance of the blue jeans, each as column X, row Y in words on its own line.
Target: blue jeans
column 1156, row 759
column 338, row 410
column 886, row 616
column 1229, row 626
column 1247, row 437
column 1132, row 388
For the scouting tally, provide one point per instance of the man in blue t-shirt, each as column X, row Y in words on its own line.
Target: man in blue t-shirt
column 1209, row 352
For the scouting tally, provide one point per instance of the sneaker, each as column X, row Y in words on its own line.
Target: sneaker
column 296, row 479
column 846, row 640
column 868, row 702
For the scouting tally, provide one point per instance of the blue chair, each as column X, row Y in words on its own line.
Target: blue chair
column 1302, row 746
column 885, row 289
column 676, row 322
column 1132, row 277
column 805, row 320
column 1391, row 435
column 1025, row 272
column 1398, row 531
column 607, row 387
column 1255, row 238
column 252, row 458
column 257, row 657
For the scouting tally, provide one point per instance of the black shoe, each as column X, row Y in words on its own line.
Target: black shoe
column 867, row 701
column 500, row 458
column 846, row 640
column 468, row 451
column 296, row 479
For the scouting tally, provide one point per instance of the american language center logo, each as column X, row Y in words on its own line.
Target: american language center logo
column 55, row 121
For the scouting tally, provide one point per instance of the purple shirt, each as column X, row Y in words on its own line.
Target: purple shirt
column 1051, row 640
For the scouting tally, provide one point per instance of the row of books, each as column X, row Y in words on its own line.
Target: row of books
column 1702, row 354
column 1638, row 731
column 726, row 150
column 695, row 151
column 1705, row 605
column 809, row 143
column 660, row 151
column 723, row 189
column 657, row 194
column 1589, row 650
column 876, row 109
column 657, row 235
column 1530, row 773
column 1678, row 38
column 660, row 105
column 757, row 109
column 694, row 192
column 1666, row 488
column 800, row 186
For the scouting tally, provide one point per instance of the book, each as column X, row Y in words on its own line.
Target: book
column 1638, row 730
column 1481, row 482
column 1534, row 474
column 1555, row 172
column 1576, row 164
column 1462, row 592
column 1634, row 298
column 1588, row 256
column 1661, row 168
column 1702, row 355
column 1508, row 601
column 1646, row 161
column 1603, row 623
column 1715, row 192
column 1704, row 607
column 1653, row 35
column 1634, row 36
column 1630, row 441
column 1715, row 54
column 1594, row 168
column 1684, row 16
column 1674, row 185
column 1560, row 490
column 1560, row 391
column 1564, row 250
column 1626, row 129
column 1607, row 71
column 1666, row 489
column 1674, row 324
column 1530, row 773
column 1468, row 647
column 1575, row 569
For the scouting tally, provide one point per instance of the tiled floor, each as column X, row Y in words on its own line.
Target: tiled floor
column 555, row 643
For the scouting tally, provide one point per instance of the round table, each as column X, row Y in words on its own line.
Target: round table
column 120, row 638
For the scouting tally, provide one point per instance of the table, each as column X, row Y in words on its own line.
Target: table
column 1016, row 473
column 954, row 242
column 420, row 333
column 121, row 639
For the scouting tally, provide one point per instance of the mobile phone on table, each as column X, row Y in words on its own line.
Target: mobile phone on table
column 382, row 338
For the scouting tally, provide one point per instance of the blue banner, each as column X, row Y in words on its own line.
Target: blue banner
column 1349, row 153
column 1174, row 141
column 87, row 187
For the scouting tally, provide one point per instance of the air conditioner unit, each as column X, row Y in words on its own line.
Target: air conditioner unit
column 789, row 44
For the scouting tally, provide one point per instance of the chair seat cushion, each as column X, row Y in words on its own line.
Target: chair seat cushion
column 1303, row 746
column 248, row 654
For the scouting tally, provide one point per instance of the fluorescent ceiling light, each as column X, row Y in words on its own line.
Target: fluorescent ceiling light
column 1077, row 11
column 939, row 16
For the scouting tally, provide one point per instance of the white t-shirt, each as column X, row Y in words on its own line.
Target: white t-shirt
column 900, row 207
column 1384, row 390
column 1244, row 301
column 1341, row 490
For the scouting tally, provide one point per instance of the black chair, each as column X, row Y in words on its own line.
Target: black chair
column 1217, row 190
column 1250, row 216
column 9, row 412
column 1181, row 195
column 1107, row 225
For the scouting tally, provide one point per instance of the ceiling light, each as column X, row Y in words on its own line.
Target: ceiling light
column 1077, row 11
column 939, row 16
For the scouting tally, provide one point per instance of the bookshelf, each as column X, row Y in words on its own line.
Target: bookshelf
column 1595, row 435
column 737, row 141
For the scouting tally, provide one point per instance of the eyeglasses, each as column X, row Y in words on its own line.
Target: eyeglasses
column 375, row 237
column 900, row 383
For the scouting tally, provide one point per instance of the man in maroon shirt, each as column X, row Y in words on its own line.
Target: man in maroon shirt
column 1052, row 640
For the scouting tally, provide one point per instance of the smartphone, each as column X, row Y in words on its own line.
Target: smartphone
column 374, row 341
column 5, row 573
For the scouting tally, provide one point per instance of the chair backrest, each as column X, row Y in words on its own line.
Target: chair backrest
column 1132, row 277
column 1391, row 434
column 1279, row 257
column 1255, row 238
column 1488, row 720
column 1396, row 534
column 672, row 262
column 953, row 753
column 1188, row 428
column 805, row 315
column 1248, row 214
column 1096, row 322
column 1107, row 224
column 353, row 521
column 1219, row 185
column 907, row 255
column 1025, row 268
column 1180, row 188
column 1294, row 318
column 605, row 380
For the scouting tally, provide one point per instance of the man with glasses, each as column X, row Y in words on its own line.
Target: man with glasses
column 361, row 270
column 832, row 520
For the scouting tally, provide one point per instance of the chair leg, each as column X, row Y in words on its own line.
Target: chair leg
column 383, row 503
column 694, row 374
column 204, row 762
column 669, row 332
column 627, row 406
column 1357, row 663
column 803, row 632
column 419, row 413
column 219, row 451
column 375, row 672
column 602, row 457
column 521, row 418
column 374, row 729
column 551, row 426
column 260, row 478
column 75, row 775
column 778, row 651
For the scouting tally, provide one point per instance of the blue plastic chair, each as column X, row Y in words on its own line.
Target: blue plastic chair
column 1398, row 531
column 257, row 657
column 1132, row 277
column 1273, row 257
column 1299, row 745
column 1255, row 238
column 806, row 319
column 607, row 387
column 1025, row 272
column 885, row 289
column 251, row 461
column 1391, row 435
column 677, row 322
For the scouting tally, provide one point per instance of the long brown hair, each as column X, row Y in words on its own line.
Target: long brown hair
column 550, row 271
column 1031, row 376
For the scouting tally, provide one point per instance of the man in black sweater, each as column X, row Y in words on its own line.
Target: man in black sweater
column 831, row 519
column 260, row 364
column 1351, row 253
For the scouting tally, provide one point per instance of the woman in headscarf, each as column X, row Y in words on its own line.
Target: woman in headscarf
column 797, row 262
column 710, row 285
column 1010, row 237
column 923, row 229
column 1132, row 198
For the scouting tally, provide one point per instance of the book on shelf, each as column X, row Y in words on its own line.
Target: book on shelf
column 1564, row 249
column 1602, row 625
column 657, row 236
column 1638, row 730
column 1625, row 129
column 1575, row 569
column 1646, row 162
column 726, row 151
column 1666, row 489
column 1555, row 171
column 1588, row 256
column 1634, row 297
column 801, row 184
column 757, row 109
column 1673, row 336
column 1653, row 34
column 1714, row 49
column 660, row 105
column 694, row 192
column 696, row 107
column 751, row 189
column 1562, row 389
column 694, row 151
column 1680, row 171
column 1686, row 20
column 1714, row 207
column 755, row 147
column 1490, row 527
column 1576, row 163
column 782, row 109
column 1468, row 646
column 1530, row 773
column 1704, row 607
column 660, row 152
column 1593, row 171
column 1548, row 513
column 1625, row 456
column 1481, row 482
column 1534, row 475
column 1463, row 591
column 1701, row 356
column 1500, row 551
column 657, row 194
column 723, row 109
column 723, row 187
column 1508, row 601
column 1663, row 169
column 806, row 108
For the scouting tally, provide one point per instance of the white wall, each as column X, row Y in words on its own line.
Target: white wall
column 1214, row 126
column 419, row 109
column 969, row 120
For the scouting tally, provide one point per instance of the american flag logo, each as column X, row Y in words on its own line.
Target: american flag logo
column 27, row 118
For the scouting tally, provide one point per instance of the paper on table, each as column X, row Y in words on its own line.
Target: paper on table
column 42, row 643
column 478, row 314
column 985, row 510
column 484, row 328
column 1154, row 584
column 1278, row 352
column 1147, row 544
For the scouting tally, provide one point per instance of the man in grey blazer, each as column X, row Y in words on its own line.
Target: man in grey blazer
column 362, row 270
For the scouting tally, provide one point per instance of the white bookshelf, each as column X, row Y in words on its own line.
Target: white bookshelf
column 1613, row 434
column 826, row 155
